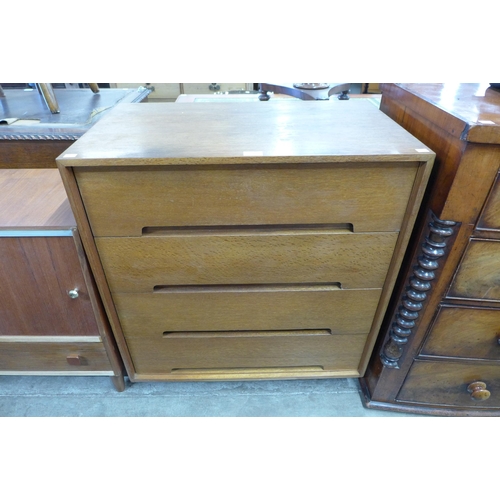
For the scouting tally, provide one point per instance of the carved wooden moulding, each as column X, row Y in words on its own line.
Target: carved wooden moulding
column 434, row 248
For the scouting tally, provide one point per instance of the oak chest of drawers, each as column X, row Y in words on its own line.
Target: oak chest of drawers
column 245, row 240
column 51, row 319
column 445, row 358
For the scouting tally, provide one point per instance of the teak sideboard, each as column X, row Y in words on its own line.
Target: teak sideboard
column 438, row 350
column 52, row 321
column 245, row 241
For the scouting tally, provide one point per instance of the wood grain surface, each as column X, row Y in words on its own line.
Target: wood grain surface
column 465, row 332
column 34, row 198
column 353, row 260
column 436, row 383
column 231, row 235
column 52, row 357
column 36, row 276
column 247, row 308
column 280, row 131
column 371, row 197
column 478, row 276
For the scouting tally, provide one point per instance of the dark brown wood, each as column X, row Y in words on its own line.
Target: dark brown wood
column 52, row 358
column 425, row 267
column 464, row 332
column 478, row 275
column 51, row 317
column 490, row 217
column 452, row 384
column 36, row 275
column 75, row 360
column 461, row 124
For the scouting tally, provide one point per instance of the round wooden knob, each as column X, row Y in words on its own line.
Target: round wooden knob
column 478, row 391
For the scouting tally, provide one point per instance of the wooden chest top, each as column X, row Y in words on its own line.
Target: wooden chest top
column 466, row 111
column 242, row 133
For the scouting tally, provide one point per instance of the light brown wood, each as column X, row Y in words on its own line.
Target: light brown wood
column 251, row 257
column 121, row 202
column 244, row 308
column 108, row 309
column 432, row 382
column 320, row 354
column 165, row 329
column 36, row 357
column 232, row 223
column 464, row 332
column 283, row 131
column 213, row 374
column 49, row 97
column 34, row 199
column 411, row 213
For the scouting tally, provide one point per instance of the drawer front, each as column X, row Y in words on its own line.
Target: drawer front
column 442, row 383
column 255, row 350
column 465, row 332
column 251, row 257
column 490, row 218
column 121, row 201
column 54, row 357
column 478, row 276
column 247, row 308
column 254, row 327
column 36, row 275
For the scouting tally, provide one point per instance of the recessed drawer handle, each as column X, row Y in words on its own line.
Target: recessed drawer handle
column 244, row 229
column 478, row 391
column 247, row 333
column 266, row 287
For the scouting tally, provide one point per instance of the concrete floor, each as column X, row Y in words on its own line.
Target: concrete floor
column 52, row 396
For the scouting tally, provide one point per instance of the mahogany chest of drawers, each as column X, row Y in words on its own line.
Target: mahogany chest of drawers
column 245, row 240
column 51, row 318
column 439, row 351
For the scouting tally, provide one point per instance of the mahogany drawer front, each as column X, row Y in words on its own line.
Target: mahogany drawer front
column 446, row 383
column 233, row 351
column 54, row 357
column 37, row 275
column 490, row 217
column 253, row 257
column 122, row 201
column 478, row 276
column 247, row 309
column 465, row 332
